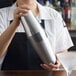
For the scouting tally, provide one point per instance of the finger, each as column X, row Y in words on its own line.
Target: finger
column 22, row 14
column 58, row 63
column 25, row 7
column 19, row 10
column 45, row 66
column 53, row 65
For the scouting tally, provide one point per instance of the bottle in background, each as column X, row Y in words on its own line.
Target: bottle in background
column 48, row 3
column 40, row 1
column 73, row 14
column 67, row 13
column 59, row 8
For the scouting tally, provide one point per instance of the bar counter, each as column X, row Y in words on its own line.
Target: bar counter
column 32, row 73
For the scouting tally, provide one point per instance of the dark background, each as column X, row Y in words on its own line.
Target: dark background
column 6, row 3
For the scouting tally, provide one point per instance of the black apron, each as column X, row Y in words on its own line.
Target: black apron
column 21, row 55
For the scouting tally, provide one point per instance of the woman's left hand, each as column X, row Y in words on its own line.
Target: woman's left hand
column 51, row 66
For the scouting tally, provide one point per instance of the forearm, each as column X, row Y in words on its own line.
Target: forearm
column 6, row 37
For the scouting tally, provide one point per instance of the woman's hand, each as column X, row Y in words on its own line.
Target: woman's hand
column 51, row 66
column 20, row 11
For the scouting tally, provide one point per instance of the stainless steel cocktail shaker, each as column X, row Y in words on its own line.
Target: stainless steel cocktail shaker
column 38, row 38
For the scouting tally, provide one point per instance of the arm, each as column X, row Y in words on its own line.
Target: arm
column 6, row 37
column 8, row 34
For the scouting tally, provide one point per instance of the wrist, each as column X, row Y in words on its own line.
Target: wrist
column 16, row 22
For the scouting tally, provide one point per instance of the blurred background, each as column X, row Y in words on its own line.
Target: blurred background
column 67, row 9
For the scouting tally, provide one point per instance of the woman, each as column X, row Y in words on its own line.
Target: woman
column 20, row 54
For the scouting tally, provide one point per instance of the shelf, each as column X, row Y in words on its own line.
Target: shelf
column 72, row 33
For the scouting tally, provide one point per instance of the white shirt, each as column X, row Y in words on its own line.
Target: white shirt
column 55, row 29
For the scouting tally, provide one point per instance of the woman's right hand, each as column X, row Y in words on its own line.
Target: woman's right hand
column 20, row 11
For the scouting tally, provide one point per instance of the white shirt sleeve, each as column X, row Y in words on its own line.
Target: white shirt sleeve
column 3, row 20
column 63, row 39
column 3, row 26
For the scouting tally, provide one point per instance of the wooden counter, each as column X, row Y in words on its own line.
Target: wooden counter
column 32, row 73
